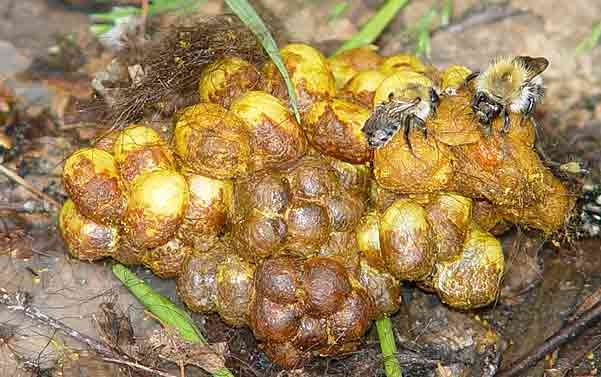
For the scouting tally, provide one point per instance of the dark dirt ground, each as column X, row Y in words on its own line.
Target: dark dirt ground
column 546, row 279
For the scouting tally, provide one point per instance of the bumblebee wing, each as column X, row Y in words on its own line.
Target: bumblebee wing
column 396, row 106
column 385, row 121
column 535, row 66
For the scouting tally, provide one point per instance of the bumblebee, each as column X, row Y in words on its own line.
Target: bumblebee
column 508, row 85
column 408, row 106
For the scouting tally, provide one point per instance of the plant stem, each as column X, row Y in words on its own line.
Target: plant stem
column 374, row 27
column 388, row 347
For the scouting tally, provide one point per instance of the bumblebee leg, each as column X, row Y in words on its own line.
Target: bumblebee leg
column 506, row 122
column 530, row 108
column 486, row 129
column 538, row 146
column 419, row 123
column 476, row 99
column 407, row 129
column 484, row 126
column 472, row 76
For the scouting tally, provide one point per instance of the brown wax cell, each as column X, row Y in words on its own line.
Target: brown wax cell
column 406, row 240
column 353, row 319
column 167, row 260
column 224, row 80
column 92, row 181
column 286, row 355
column 344, row 211
column 342, row 247
column 267, row 193
column 197, row 281
column 308, row 223
column 312, row 179
column 312, row 333
column 334, row 126
column 274, row 322
column 382, row 287
column 235, row 280
column 212, row 141
column 260, row 236
column 326, row 285
column 450, row 217
column 128, row 254
column 86, row 239
column 279, row 279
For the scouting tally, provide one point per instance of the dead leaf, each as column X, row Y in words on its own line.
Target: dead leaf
column 173, row 348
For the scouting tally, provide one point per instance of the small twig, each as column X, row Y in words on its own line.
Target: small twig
column 15, row 177
column 564, row 335
column 19, row 302
column 487, row 15
column 572, row 354
column 28, row 206
column 137, row 366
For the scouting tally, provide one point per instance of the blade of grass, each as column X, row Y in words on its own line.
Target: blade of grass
column 591, row 40
column 337, row 10
column 423, row 37
column 446, row 12
column 114, row 14
column 374, row 27
column 106, row 20
column 251, row 19
column 388, row 347
column 163, row 309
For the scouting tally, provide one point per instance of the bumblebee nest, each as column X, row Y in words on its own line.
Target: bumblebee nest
column 300, row 231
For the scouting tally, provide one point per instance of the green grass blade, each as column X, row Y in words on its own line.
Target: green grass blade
column 337, row 10
column 388, row 347
column 161, row 6
column 115, row 14
column 251, row 19
column 374, row 27
column 106, row 20
column 591, row 41
column 446, row 12
column 423, row 32
column 163, row 309
column 159, row 305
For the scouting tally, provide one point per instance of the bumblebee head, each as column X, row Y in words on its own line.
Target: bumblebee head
column 485, row 108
